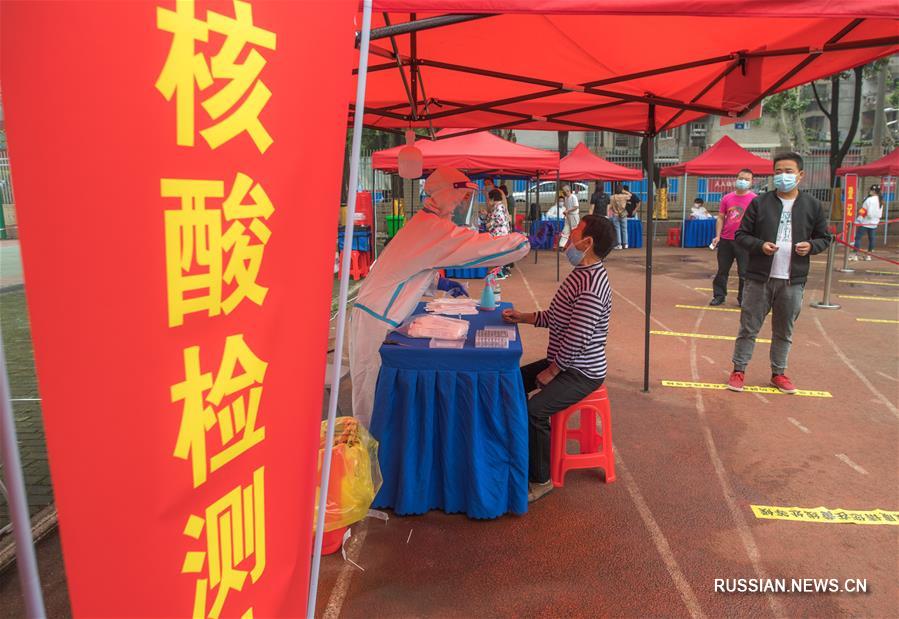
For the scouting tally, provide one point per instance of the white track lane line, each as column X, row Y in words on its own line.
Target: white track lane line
column 655, row 531
column 730, row 497
column 799, row 425
column 342, row 585
column 845, row 459
column 855, row 370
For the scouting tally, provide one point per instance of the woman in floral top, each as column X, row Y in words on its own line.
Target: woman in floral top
column 497, row 216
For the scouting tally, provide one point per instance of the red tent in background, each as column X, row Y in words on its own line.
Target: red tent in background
column 474, row 153
column 582, row 164
column 887, row 165
column 724, row 158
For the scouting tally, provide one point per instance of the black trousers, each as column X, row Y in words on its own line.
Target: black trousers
column 567, row 388
column 728, row 251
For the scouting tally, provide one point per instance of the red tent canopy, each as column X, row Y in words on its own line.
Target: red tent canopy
column 574, row 64
column 885, row 166
column 726, row 157
column 582, row 164
column 475, row 153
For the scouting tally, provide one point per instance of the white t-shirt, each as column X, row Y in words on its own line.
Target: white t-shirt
column 873, row 212
column 780, row 267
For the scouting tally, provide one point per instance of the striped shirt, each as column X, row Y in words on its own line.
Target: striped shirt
column 578, row 321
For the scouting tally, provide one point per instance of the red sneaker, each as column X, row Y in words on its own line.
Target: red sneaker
column 783, row 383
column 736, row 380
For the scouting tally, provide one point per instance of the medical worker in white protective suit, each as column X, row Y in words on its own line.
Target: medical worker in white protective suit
column 407, row 268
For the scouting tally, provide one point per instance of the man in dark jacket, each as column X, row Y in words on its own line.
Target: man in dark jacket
column 780, row 230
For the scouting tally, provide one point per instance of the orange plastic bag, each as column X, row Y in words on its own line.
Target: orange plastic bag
column 355, row 474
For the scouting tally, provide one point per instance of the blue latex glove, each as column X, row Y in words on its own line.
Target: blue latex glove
column 454, row 288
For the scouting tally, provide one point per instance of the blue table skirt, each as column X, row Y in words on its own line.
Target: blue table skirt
column 634, row 233
column 544, row 239
column 699, row 232
column 452, row 427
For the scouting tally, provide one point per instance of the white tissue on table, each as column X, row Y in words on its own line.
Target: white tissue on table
column 452, row 307
column 438, row 327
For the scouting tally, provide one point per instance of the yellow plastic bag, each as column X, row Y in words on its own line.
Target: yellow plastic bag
column 355, row 474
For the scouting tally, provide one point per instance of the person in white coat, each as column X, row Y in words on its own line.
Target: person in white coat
column 867, row 221
column 572, row 214
column 407, row 268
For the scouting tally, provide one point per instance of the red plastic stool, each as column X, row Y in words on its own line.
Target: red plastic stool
column 595, row 448
column 359, row 264
column 673, row 237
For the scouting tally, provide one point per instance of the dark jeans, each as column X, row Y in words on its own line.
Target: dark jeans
column 860, row 233
column 567, row 388
column 728, row 251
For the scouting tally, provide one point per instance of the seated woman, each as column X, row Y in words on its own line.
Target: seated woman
column 578, row 322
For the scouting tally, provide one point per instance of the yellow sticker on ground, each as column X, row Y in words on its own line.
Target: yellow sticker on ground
column 849, row 296
column 747, row 388
column 706, row 307
column 704, row 336
column 880, row 320
column 868, row 282
column 826, row 514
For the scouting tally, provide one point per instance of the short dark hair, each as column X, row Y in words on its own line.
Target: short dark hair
column 601, row 230
column 495, row 194
column 746, row 171
column 625, row 187
column 699, row 200
column 504, row 189
column 789, row 156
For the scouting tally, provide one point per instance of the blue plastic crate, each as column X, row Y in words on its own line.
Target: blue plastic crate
column 467, row 273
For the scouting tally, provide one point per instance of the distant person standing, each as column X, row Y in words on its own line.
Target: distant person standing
column 780, row 230
column 868, row 218
column 618, row 214
column 599, row 201
column 633, row 202
column 730, row 214
column 572, row 214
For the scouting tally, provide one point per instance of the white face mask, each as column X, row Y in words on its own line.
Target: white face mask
column 743, row 184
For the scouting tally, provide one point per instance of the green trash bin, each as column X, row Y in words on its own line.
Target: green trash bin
column 394, row 223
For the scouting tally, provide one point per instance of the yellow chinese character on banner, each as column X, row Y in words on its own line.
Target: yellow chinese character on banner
column 196, row 248
column 186, row 71
column 202, row 409
column 235, row 531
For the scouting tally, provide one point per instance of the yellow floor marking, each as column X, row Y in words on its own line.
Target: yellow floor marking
column 880, row 320
column 880, row 272
column 867, row 281
column 703, row 336
column 849, row 296
column 704, row 289
column 706, row 307
column 826, row 515
column 748, row 388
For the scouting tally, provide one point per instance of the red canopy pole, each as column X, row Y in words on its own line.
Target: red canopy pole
column 650, row 235
column 558, row 188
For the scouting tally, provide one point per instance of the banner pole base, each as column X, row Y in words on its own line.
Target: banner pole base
column 845, row 270
column 823, row 305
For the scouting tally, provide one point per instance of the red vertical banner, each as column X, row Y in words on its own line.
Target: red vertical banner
column 167, row 157
column 850, row 203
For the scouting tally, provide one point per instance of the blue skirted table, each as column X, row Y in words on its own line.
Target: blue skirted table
column 634, row 233
column 543, row 231
column 699, row 232
column 452, row 426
